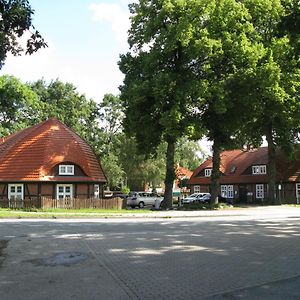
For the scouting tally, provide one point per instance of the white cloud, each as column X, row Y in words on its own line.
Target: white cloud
column 115, row 15
column 92, row 74
column 92, row 77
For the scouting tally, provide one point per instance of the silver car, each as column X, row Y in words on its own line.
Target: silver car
column 197, row 198
column 142, row 199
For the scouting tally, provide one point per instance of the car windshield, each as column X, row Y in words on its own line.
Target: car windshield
column 132, row 194
column 193, row 196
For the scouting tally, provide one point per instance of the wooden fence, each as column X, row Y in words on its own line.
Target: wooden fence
column 74, row 203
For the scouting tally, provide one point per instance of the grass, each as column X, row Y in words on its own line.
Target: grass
column 6, row 213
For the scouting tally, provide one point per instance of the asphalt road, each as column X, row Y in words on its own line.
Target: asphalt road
column 251, row 254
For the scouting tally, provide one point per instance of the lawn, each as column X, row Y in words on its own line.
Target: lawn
column 6, row 213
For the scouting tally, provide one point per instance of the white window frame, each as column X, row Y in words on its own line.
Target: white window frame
column 66, row 170
column 259, row 191
column 64, row 193
column 227, row 191
column 207, row 172
column 196, row 188
column 298, row 192
column 11, row 194
column 259, row 169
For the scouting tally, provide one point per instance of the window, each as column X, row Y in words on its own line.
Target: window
column 227, row 191
column 207, row 172
column 261, row 169
column 66, row 170
column 232, row 169
column 64, row 191
column 298, row 192
column 197, row 189
column 259, row 191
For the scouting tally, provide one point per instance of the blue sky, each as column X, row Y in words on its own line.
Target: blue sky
column 85, row 40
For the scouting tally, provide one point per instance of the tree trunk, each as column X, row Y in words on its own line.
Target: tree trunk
column 215, row 176
column 170, row 174
column 271, row 167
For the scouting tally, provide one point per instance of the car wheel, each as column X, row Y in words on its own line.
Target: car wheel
column 141, row 204
column 132, row 206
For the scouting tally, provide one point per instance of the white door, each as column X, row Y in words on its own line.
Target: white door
column 15, row 195
column 64, row 191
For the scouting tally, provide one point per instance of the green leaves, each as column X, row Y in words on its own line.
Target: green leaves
column 16, row 19
column 19, row 106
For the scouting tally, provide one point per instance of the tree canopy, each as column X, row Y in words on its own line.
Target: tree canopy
column 15, row 21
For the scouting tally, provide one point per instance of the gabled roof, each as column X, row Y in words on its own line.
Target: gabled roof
column 182, row 172
column 234, row 163
column 31, row 154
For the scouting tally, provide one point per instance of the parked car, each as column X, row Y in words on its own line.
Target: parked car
column 197, row 198
column 142, row 199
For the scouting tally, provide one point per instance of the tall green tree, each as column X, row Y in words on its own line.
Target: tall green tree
column 158, row 77
column 15, row 21
column 111, row 140
column 275, row 82
column 227, row 54
column 19, row 106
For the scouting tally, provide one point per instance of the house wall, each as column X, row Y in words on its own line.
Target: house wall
column 82, row 191
column 246, row 193
column 37, row 190
column 3, row 191
column 47, row 189
column 287, row 193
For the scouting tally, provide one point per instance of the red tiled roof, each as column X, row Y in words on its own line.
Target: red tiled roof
column 240, row 160
column 30, row 154
column 182, row 172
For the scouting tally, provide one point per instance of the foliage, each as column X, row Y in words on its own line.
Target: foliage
column 19, row 106
column 189, row 154
column 125, row 190
column 274, row 85
column 15, row 21
column 226, row 54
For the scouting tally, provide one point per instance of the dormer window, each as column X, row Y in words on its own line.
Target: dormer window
column 259, row 169
column 66, row 169
column 207, row 172
column 232, row 169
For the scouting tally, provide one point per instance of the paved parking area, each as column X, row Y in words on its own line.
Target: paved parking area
column 241, row 256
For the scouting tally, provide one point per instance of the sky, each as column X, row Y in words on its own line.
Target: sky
column 85, row 39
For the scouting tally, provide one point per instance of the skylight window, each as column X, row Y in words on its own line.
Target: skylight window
column 233, row 169
column 66, row 169
column 259, row 169
column 207, row 172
